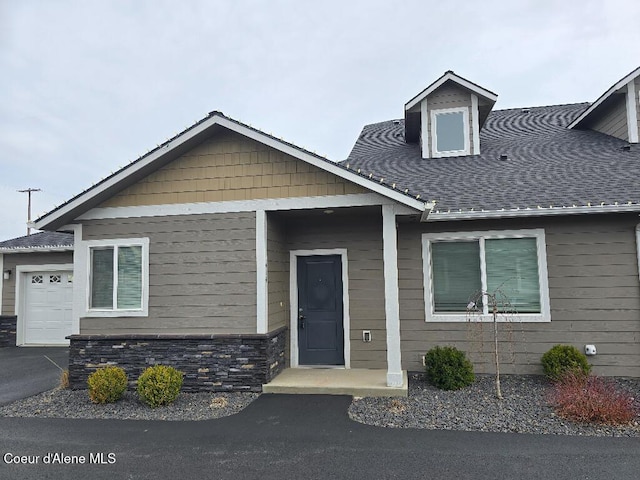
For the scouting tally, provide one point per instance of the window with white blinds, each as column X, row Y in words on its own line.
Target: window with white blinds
column 117, row 276
column 460, row 268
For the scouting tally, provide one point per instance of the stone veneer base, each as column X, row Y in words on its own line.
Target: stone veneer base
column 8, row 325
column 216, row 363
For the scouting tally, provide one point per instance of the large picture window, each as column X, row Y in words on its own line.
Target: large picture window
column 118, row 278
column 465, row 267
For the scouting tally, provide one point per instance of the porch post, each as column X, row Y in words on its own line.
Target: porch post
column 261, row 272
column 391, row 295
column 80, row 279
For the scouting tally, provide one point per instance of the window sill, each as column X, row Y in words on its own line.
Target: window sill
column 116, row 313
column 473, row 318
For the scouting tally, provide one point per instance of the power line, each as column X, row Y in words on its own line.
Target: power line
column 28, row 191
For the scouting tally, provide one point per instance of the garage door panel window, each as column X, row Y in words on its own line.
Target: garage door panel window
column 464, row 267
column 117, row 277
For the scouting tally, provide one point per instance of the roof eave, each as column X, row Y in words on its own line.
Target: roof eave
column 51, row 249
column 621, row 83
column 119, row 180
column 477, row 89
column 437, row 216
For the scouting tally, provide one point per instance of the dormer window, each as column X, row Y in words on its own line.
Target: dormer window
column 447, row 116
column 450, row 132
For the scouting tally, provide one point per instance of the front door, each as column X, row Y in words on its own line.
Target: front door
column 320, row 310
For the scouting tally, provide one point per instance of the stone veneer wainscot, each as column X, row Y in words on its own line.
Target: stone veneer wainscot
column 8, row 330
column 215, row 363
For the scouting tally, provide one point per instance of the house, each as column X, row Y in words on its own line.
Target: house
column 36, row 289
column 231, row 254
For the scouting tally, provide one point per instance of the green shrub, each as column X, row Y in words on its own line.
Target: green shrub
column 562, row 360
column 448, row 368
column 107, row 384
column 159, row 385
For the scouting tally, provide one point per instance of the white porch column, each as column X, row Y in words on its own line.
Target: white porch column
column 391, row 295
column 261, row 272
column 80, row 279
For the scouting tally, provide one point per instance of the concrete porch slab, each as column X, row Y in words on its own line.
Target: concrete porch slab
column 358, row 382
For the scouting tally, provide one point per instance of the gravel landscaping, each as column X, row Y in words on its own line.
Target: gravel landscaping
column 475, row 408
column 523, row 410
column 76, row 404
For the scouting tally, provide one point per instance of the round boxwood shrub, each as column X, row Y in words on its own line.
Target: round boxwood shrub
column 448, row 368
column 107, row 384
column 564, row 359
column 159, row 385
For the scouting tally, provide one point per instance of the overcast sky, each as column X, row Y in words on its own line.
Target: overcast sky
column 88, row 86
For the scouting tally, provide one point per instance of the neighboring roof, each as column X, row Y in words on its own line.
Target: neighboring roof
column 188, row 139
column 621, row 83
column 43, row 241
column 451, row 76
column 549, row 169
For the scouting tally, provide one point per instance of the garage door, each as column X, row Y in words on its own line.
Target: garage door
column 47, row 310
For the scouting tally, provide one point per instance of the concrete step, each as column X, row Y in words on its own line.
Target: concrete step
column 358, row 382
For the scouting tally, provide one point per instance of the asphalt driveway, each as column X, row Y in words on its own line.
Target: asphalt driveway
column 27, row 371
column 298, row 436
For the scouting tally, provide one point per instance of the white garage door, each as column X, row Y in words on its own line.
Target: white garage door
column 48, row 307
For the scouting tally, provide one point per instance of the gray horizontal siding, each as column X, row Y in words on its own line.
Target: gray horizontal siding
column 361, row 235
column 12, row 260
column 278, row 274
column 613, row 119
column 594, row 295
column 202, row 273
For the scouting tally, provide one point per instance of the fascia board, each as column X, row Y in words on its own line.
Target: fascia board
column 455, row 78
column 436, row 216
column 604, row 96
column 324, row 164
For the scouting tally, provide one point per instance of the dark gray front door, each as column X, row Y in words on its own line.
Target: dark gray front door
column 320, row 318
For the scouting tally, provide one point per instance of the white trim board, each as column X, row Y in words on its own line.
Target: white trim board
column 621, row 83
column 478, row 90
column 87, row 245
column 119, row 179
column 438, row 216
column 543, row 275
column 395, row 377
column 632, row 112
column 293, row 302
column 262, row 286
column 68, row 248
column 20, row 306
column 268, row 204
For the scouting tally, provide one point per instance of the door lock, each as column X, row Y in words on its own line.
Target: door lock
column 301, row 321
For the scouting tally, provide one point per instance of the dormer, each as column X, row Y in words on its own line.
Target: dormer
column 616, row 112
column 446, row 117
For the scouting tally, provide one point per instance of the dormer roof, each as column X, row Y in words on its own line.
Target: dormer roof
column 412, row 116
column 624, row 97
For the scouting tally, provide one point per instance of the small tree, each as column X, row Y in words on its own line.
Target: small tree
column 497, row 304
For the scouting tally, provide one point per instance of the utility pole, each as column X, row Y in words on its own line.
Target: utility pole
column 28, row 192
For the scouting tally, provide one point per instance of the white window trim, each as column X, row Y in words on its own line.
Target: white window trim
column 434, row 137
column 538, row 234
column 129, row 312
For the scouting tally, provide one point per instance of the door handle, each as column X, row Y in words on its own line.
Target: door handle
column 301, row 321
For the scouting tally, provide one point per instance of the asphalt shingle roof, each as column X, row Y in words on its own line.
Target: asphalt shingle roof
column 547, row 165
column 42, row 240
